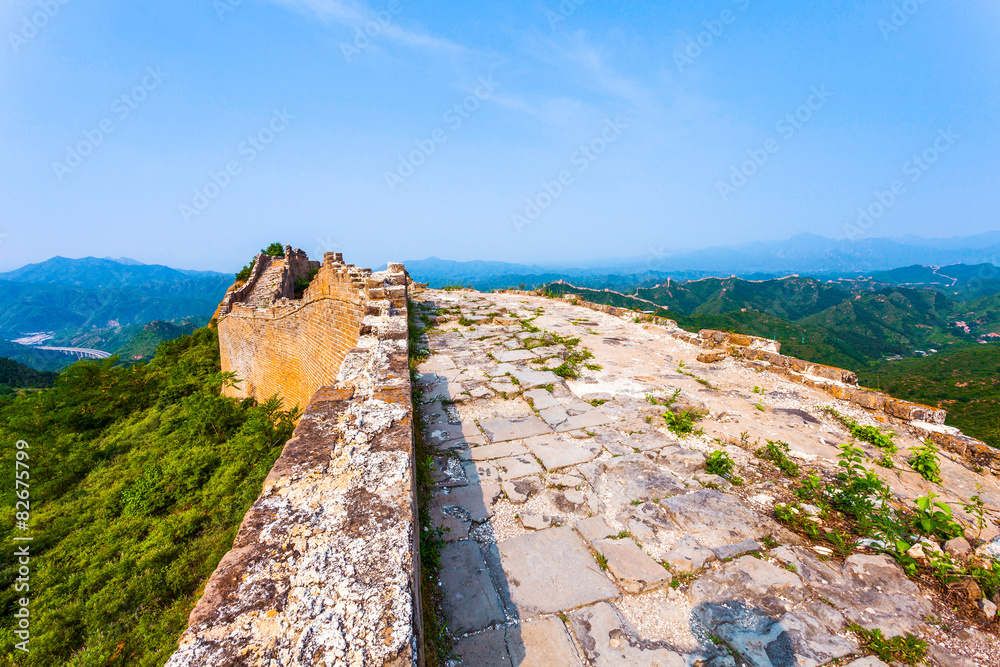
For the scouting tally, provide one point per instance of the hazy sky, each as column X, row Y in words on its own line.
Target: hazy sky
column 192, row 133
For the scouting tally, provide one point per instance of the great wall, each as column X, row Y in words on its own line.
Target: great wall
column 571, row 524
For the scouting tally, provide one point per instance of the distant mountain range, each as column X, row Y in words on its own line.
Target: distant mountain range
column 92, row 272
column 102, row 302
column 805, row 254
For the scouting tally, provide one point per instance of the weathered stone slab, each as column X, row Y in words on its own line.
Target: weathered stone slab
column 610, row 641
column 634, row 477
column 553, row 570
column 807, row 636
column 541, row 643
column 456, row 392
column 515, row 355
column 869, row 661
column 534, row 521
column 501, row 430
column 688, row 556
column 554, row 416
column 736, row 550
column 485, row 471
column 501, row 370
column 566, row 480
column 453, row 375
column 555, row 454
column 542, row 399
column 680, row 459
column 514, row 467
column 588, row 419
column 504, row 387
column 498, row 451
column 447, row 471
column 476, row 499
column 529, row 379
column 518, row 491
column 774, row 589
column 468, row 600
column 486, row 649
column 882, row 595
column 709, row 510
column 481, row 392
column 634, row 571
column 466, row 430
column 437, row 362
column 593, row 529
column 454, row 528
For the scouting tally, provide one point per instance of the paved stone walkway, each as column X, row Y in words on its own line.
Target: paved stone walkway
column 267, row 285
column 581, row 531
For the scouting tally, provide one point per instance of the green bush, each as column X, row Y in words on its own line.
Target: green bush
column 776, row 452
column 907, row 649
column 925, row 461
column 935, row 518
column 870, row 434
column 682, row 423
column 274, row 250
column 302, row 282
column 719, row 463
column 140, row 476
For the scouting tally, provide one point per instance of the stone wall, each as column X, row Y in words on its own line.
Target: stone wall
column 293, row 346
column 324, row 569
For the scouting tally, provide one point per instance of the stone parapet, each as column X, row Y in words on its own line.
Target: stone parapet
column 325, row 567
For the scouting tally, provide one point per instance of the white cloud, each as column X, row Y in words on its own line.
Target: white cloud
column 356, row 15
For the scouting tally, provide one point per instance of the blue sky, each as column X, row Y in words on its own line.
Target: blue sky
column 192, row 133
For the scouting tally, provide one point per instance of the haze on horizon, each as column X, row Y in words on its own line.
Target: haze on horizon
column 192, row 133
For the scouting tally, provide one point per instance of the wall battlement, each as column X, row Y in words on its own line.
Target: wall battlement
column 324, row 569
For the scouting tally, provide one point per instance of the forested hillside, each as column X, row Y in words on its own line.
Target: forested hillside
column 964, row 381
column 139, row 477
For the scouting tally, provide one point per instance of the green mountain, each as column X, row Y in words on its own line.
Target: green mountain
column 958, row 281
column 143, row 344
column 964, row 380
column 787, row 298
column 33, row 307
column 132, row 342
column 101, row 273
column 910, row 318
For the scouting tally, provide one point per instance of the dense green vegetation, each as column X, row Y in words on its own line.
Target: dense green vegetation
column 964, row 380
column 19, row 376
column 139, row 477
column 274, row 250
column 147, row 340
